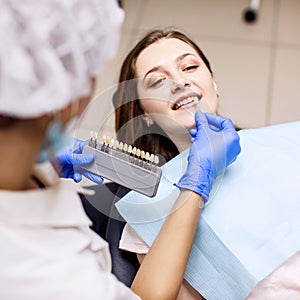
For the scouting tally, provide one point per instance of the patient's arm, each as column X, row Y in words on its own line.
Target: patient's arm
column 186, row 292
column 161, row 274
column 164, row 265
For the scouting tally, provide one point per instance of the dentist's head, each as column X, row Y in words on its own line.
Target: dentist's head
column 51, row 51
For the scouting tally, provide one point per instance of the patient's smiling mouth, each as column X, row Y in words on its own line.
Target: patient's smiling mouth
column 186, row 101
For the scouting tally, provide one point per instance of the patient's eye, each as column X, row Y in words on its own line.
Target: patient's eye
column 156, row 82
column 190, row 67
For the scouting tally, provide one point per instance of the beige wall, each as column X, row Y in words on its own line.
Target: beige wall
column 257, row 67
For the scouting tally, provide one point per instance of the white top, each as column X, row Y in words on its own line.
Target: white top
column 48, row 250
column 283, row 283
column 132, row 242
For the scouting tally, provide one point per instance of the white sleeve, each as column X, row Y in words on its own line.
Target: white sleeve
column 67, row 279
column 131, row 241
column 44, row 269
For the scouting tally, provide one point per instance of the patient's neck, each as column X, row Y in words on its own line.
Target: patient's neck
column 181, row 140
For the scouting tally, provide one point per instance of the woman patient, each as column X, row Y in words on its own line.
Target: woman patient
column 156, row 111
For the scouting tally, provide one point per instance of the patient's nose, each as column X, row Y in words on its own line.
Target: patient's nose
column 179, row 84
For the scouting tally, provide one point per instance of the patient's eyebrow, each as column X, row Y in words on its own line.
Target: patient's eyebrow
column 182, row 56
column 178, row 59
column 154, row 69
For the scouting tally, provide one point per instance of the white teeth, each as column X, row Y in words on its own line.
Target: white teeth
column 112, row 143
column 137, row 156
column 129, row 149
column 187, row 100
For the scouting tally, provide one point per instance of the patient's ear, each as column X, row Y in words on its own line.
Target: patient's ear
column 147, row 119
column 216, row 88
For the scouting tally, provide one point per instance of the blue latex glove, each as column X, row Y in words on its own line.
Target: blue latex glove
column 68, row 163
column 215, row 145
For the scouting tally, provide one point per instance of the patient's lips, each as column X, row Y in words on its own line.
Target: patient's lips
column 186, row 101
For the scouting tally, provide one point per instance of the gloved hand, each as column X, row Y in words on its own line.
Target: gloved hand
column 215, row 145
column 68, row 163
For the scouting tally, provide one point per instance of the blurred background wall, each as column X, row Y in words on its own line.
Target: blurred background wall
column 256, row 65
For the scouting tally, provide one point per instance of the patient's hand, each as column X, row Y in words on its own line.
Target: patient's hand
column 215, row 146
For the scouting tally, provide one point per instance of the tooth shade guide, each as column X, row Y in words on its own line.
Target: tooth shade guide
column 134, row 151
column 147, row 157
column 151, row 158
column 129, row 149
column 138, row 152
column 93, row 135
column 93, row 140
column 124, row 164
column 124, row 151
column 112, row 143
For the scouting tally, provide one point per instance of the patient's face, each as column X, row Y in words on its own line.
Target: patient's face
column 174, row 82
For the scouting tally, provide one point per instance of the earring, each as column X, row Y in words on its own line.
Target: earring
column 216, row 90
column 149, row 122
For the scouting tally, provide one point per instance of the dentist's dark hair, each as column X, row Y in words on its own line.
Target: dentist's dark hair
column 130, row 126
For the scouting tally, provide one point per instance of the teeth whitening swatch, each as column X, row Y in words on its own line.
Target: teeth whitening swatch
column 251, row 223
column 126, row 165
